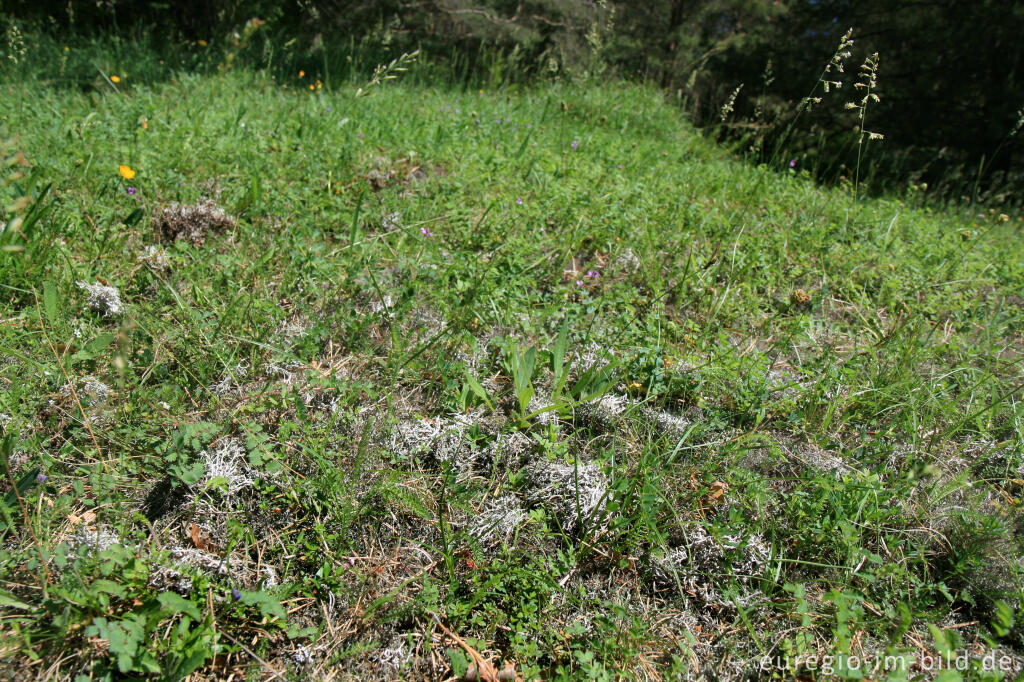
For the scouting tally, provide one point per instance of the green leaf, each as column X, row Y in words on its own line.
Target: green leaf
column 9, row 600
column 36, row 212
column 25, row 483
column 133, row 217
column 94, row 346
column 189, row 665
column 478, row 390
column 942, row 644
column 50, row 306
column 108, row 587
column 267, row 605
column 1003, row 618
column 218, row 482
column 459, row 662
column 594, row 383
column 175, row 603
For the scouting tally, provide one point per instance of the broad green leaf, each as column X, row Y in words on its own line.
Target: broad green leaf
column 175, row 603
column 9, row 600
column 133, row 217
column 478, row 390
column 50, row 306
column 267, row 605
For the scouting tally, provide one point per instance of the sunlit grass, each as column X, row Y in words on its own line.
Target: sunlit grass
column 535, row 375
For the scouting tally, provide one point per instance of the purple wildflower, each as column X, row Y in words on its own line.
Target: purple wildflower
column 131, row 190
column 359, row 135
column 519, row 201
column 619, row 166
column 235, row 594
column 458, row 111
column 579, row 282
column 792, row 163
column 592, row 274
column 41, row 477
column 426, row 232
column 575, row 143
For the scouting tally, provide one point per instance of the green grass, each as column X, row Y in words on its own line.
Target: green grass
column 600, row 401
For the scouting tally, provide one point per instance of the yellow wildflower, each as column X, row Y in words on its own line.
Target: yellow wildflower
column 126, row 172
column 115, row 79
column 202, row 43
column 302, row 74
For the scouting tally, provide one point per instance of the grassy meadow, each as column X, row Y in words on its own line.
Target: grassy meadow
column 447, row 383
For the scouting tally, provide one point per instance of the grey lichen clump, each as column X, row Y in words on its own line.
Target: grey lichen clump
column 498, row 521
column 696, row 569
column 102, row 299
column 575, row 494
column 226, row 464
column 193, row 223
column 154, row 257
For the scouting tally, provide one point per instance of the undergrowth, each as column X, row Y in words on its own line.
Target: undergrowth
column 517, row 383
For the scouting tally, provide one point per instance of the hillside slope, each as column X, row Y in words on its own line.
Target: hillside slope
column 389, row 383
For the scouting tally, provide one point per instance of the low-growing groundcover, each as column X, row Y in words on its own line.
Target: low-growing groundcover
column 529, row 384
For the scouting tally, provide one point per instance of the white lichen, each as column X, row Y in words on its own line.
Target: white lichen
column 89, row 387
column 394, row 656
column 230, row 379
column 606, row 412
column 381, row 305
column 695, row 569
column 498, row 521
column 89, row 540
column 199, row 559
column 96, row 389
column 287, row 372
column 302, row 655
column 226, row 465
column 543, row 408
column 575, row 494
column 670, row 424
column 293, row 329
column 102, row 299
column 155, row 257
column 169, row 578
column 627, row 260
column 442, row 439
column 508, row 448
column 269, row 577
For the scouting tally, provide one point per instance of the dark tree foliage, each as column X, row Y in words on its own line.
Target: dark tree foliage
column 949, row 78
